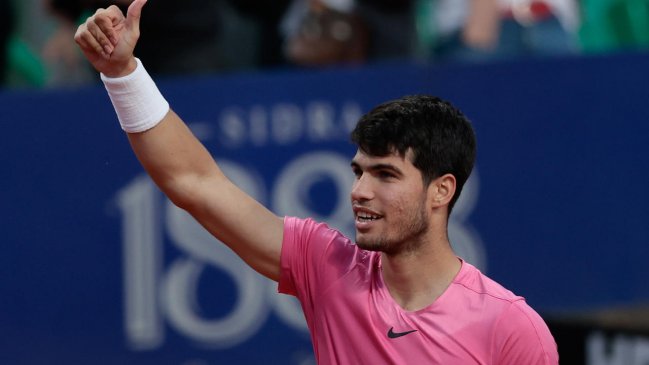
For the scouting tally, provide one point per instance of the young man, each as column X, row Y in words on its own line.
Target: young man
column 399, row 295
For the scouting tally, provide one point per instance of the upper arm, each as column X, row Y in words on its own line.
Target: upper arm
column 187, row 173
column 252, row 231
column 524, row 338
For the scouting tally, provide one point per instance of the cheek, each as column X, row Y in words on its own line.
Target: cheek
column 407, row 204
column 396, row 202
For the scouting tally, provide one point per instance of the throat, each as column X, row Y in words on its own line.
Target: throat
column 414, row 287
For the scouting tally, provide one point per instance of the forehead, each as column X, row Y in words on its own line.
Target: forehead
column 394, row 159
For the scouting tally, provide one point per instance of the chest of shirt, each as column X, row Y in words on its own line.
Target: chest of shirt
column 361, row 318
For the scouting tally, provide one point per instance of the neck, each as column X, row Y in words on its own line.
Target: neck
column 416, row 279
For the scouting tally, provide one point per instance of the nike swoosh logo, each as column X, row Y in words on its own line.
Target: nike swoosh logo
column 392, row 334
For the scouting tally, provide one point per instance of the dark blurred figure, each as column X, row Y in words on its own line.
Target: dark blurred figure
column 326, row 32
column 328, row 36
column 7, row 22
column 266, row 16
column 392, row 28
column 181, row 37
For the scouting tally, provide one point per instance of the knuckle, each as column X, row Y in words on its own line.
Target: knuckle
column 103, row 22
column 77, row 34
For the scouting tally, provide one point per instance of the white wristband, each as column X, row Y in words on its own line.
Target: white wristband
column 137, row 101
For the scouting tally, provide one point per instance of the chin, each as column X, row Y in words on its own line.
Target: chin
column 369, row 246
column 364, row 246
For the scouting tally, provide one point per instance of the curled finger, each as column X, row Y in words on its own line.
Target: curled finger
column 107, row 23
column 100, row 37
column 88, row 42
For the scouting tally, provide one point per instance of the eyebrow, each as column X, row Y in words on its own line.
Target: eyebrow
column 378, row 167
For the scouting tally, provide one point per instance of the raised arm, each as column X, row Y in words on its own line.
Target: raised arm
column 482, row 27
column 177, row 162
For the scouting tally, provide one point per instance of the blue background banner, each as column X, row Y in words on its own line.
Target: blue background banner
column 96, row 266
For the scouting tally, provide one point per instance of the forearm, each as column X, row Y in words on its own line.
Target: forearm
column 188, row 175
column 174, row 158
column 186, row 172
column 165, row 146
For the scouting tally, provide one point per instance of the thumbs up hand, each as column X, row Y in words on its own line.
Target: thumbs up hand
column 108, row 39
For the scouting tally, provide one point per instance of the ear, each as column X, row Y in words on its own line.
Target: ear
column 442, row 190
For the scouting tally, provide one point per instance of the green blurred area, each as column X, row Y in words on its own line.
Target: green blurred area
column 24, row 65
column 606, row 26
column 609, row 25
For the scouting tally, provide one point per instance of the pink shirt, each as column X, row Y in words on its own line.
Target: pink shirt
column 354, row 320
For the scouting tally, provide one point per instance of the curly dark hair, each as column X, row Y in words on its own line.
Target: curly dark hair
column 439, row 135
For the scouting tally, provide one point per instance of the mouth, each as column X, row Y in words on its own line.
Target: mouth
column 365, row 217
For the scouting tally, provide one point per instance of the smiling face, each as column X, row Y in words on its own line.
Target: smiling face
column 437, row 136
column 389, row 200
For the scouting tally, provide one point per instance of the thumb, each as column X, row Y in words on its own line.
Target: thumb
column 133, row 15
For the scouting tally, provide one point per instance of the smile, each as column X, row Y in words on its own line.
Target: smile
column 366, row 217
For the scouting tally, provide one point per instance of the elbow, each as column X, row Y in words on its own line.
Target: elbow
column 181, row 193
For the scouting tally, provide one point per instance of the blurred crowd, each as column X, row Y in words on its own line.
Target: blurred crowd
column 217, row 36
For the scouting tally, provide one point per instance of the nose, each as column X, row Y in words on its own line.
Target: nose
column 362, row 189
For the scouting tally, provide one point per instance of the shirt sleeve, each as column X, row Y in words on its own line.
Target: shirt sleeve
column 312, row 257
column 294, row 246
column 524, row 338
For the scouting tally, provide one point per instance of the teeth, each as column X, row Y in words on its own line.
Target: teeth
column 367, row 216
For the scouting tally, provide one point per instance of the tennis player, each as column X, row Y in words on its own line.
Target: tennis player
column 397, row 294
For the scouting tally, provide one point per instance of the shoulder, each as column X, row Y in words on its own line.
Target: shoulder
column 304, row 224
column 315, row 255
column 523, row 337
column 480, row 284
column 307, row 230
column 520, row 335
column 317, row 240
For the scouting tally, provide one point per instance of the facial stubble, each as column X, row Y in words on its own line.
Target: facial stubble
column 408, row 236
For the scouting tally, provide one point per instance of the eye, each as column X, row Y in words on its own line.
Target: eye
column 385, row 174
column 357, row 172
